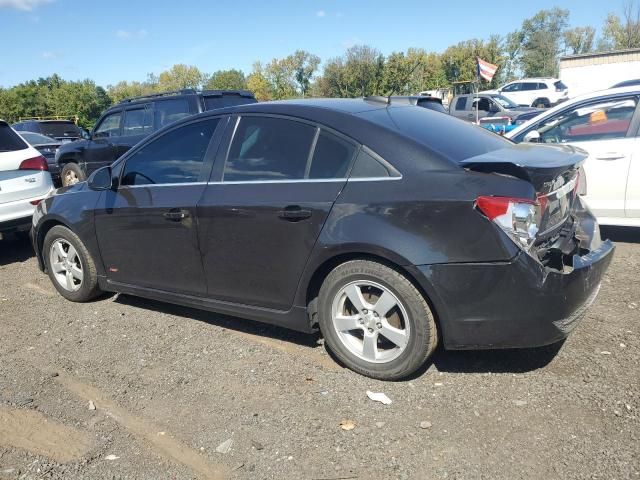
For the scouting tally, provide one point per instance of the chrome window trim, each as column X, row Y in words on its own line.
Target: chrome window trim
column 179, row 184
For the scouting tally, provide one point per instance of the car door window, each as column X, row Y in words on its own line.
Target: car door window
column 528, row 86
column 514, row 87
column 542, row 86
column 602, row 120
column 175, row 157
column 169, row 111
column 138, row 121
column 461, row 103
column 331, row 158
column 266, row 148
column 482, row 104
column 109, row 127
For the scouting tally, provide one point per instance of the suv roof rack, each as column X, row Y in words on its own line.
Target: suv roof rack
column 378, row 98
column 71, row 118
column 184, row 91
column 220, row 93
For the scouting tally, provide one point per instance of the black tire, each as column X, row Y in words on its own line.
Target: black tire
column 71, row 174
column 89, row 288
column 423, row 336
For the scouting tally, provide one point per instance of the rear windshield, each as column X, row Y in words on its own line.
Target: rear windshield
column 10, row 141
column 432, row 105
column 37, row 139
column 454, row 139
column 60, row 129
column 211, row 103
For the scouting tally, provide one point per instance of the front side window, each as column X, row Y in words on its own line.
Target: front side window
column 265, row 148
column 138, row 122
column 601, row 120
column 169, row 111
column 175, row 157
column 109, row 127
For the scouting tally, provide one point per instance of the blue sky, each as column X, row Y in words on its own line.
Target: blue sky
column 126, row 39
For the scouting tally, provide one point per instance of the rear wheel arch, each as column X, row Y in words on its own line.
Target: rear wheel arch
column 541, row 101
column 323, row 270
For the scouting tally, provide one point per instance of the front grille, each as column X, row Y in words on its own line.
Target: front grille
column 566, row 325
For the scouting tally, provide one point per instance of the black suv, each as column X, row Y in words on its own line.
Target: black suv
column 62, row 130
column 125, row 124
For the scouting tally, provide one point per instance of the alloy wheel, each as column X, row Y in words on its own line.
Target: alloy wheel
column 66, row 265
column 371, row 322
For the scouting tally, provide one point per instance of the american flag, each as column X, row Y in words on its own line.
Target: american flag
column 486, row 70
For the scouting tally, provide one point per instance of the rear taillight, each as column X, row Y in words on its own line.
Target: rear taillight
column 517, row 217
column 35, row 163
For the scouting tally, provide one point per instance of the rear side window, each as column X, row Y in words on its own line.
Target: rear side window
column 10, row 141
column 265, row 148
column 461, row 103
column 331, row 157
column 542, row 86
column 529, row 86
column 559, row 85
column 175, row 157
column 367, row 166
column 138, row 122
column 169, row 111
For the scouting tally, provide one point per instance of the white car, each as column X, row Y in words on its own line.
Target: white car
column 605, row 124
column 24, row 180
column 534, row 92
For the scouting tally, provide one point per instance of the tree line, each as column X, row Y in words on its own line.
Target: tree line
column 531, row 50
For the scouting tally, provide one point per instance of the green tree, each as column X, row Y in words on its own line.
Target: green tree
column 620, row 33
column 181, row 76
column 541, row 42
column 579, row 40
column 304, row 65
column 280, row 75
column 258, row 83
column 227, row 80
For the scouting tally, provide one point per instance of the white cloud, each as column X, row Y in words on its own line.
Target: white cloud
column 321, row 13
column 127, row 34
column 25, row 5
column 49, row 55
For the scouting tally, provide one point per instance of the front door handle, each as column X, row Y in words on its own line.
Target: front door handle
column 294, row 213
column 610, row 156
column 176, row 215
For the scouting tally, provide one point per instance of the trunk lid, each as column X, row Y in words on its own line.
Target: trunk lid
column 552, row 170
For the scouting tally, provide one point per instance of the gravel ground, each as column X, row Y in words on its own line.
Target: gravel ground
column 123, row 388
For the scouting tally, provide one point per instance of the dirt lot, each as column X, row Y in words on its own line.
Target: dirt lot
column 128, row 388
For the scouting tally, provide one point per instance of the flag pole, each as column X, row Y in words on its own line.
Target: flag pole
column 477, row 90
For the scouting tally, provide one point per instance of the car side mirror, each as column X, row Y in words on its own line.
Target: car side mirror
column 101, row 179
column 532, row 137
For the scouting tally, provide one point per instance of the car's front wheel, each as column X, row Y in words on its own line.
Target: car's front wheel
column 69, row 265
column 71, row 174
column 375, row 320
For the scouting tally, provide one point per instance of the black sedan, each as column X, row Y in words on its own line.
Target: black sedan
column 391, row 228
column 48, row 147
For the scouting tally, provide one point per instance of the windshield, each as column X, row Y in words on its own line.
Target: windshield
column 504, row 102
column 37, row 139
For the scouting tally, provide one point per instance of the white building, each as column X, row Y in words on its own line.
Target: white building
column 589, row 72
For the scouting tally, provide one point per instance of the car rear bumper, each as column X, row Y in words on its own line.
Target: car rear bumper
column 18, row 211
column 519, row 303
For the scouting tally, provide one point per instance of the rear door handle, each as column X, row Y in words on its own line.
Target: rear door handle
column 610, row 156
column 176, row 215
column 294, row 213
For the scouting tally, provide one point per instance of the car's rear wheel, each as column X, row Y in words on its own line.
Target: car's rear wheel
column 375, row 320
column 71, row 174
column 541, row 103
column 69, row 265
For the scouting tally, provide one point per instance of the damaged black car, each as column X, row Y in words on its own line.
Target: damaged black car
column 391, row 228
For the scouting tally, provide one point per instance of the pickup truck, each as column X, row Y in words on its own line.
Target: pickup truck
column 490, row 105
